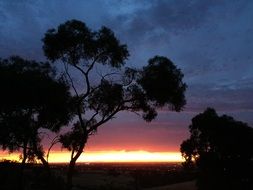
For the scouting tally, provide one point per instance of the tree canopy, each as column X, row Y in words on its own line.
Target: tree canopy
column 221, row 149
column 98, row 58
column 32, row 97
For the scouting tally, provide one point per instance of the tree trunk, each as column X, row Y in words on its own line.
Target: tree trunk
column 72, row 164
column 70, row 174
column 24, row 155
column 74, row 158
column 41, row 158
column 21, row 179
column 45, row 164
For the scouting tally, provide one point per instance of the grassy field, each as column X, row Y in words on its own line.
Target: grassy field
column 96, row 180
column 97, row 177
column 190, row 185
column 101, row 180
column 126, row 176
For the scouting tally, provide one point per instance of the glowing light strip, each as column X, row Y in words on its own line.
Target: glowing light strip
column 111, row 156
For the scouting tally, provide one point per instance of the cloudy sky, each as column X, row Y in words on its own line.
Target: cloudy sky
column 210, row 40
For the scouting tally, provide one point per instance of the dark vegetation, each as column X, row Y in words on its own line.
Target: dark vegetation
column 33, row 177
column 136, row 175
column 220, row 148
column 32, row 98
column 154, row 178
column 96, row 176
column 36, row 95
column 142, row 90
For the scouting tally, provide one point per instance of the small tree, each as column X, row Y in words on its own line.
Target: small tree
column 31, row 98
column 107, row 88
column 221, row 149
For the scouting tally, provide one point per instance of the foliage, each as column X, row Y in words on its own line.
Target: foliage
column 162, row 82
column 31, row 98
column 158, row 84
column 34, row 177
column 221, row 149
column 98, row 57
column 74, row 41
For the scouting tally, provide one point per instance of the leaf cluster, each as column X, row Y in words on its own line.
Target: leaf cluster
column 73, row 42
column 141, row 91
column 31, row 98
column 221, row 149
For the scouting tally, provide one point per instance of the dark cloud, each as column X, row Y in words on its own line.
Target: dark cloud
column 211, row 41
column 221, row 97
column 175, row 16
column 23, row 22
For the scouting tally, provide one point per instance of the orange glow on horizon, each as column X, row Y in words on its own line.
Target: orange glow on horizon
column 108, row 156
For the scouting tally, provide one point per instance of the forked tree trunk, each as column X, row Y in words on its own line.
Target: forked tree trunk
column 45, row 164
column 70, row 173
column 41, row 158
column 72, row 164
column 24, row 155
column 21, row 179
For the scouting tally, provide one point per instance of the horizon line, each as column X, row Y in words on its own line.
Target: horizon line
column 121, row 156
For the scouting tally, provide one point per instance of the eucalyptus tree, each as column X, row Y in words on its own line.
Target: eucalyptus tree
column 102, row 86
column 220, row 148
column 32, row 98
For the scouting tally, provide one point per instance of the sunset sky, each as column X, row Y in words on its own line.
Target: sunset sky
column 210, row 40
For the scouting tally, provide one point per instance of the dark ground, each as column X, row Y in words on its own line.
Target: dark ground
column 95, row 176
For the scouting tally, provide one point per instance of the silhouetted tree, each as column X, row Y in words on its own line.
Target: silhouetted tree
column 221, row 149
column 97, row 58
column 31, row 98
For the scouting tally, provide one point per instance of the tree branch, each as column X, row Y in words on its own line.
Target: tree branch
column 21, row 146
column 71, row 81
column 103, row 120
column 72, row 153
column 92, row 117
column 86, row 75
column 54, row 142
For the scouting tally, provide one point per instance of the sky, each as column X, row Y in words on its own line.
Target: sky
column 211, row 41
